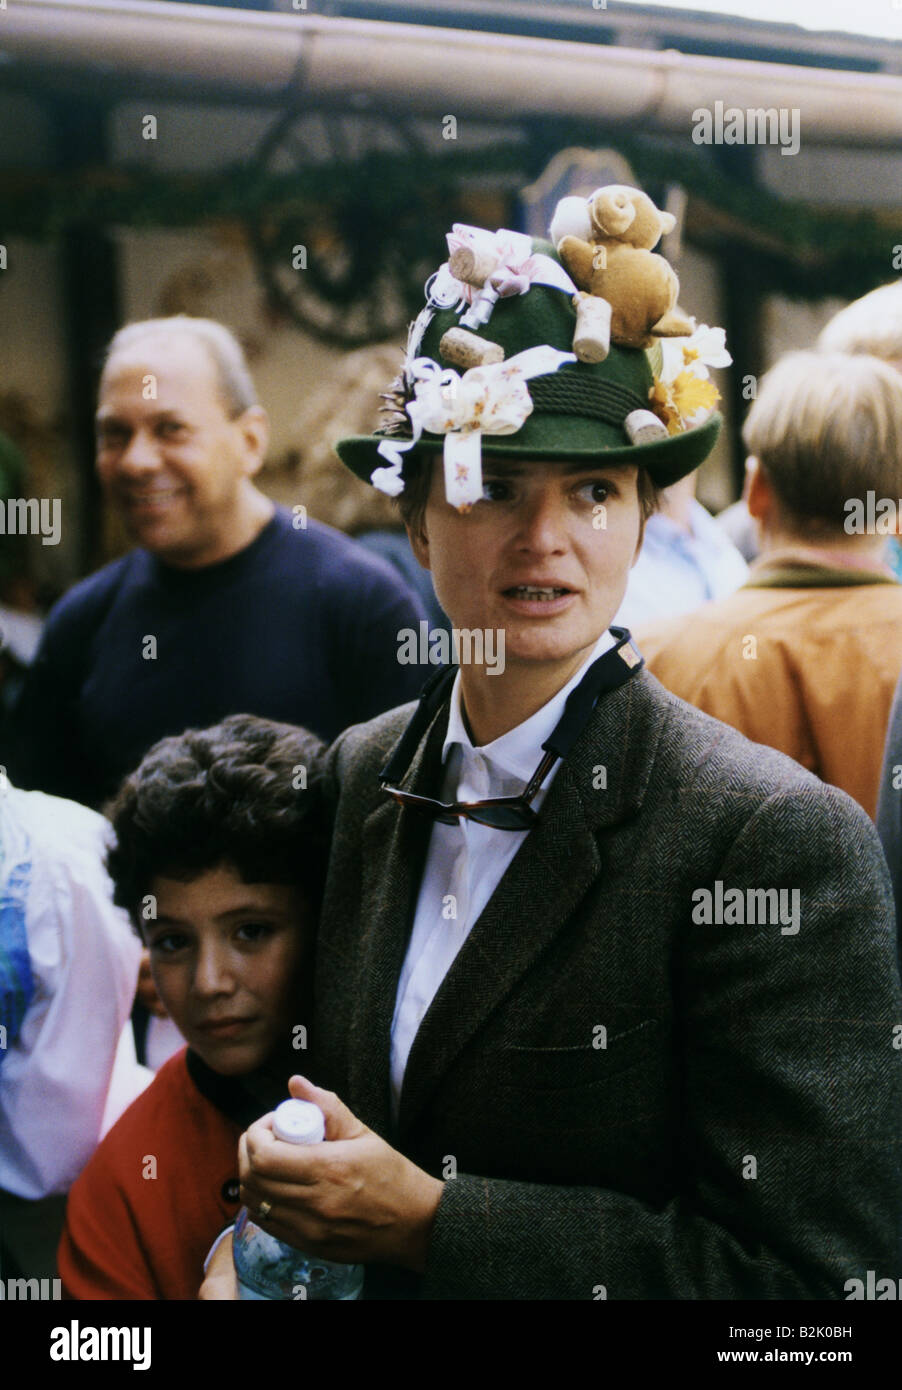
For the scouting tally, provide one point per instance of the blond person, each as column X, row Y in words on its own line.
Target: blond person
column 806, row 655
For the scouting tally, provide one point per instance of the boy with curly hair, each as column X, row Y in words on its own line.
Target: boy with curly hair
column 219, row 861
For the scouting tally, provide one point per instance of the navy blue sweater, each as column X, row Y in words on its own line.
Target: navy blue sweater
column 300, row 626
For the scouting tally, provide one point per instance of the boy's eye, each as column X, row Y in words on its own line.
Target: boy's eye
column 254, row 931
column 168, row 943
column 172, row 428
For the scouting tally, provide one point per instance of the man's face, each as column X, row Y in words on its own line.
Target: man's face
column 226, row 958
column 568, row 527
column 168, row 456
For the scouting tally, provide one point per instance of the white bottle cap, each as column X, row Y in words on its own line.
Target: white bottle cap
column 299, row 1122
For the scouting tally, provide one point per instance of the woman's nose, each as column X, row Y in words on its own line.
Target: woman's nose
column 544, row 522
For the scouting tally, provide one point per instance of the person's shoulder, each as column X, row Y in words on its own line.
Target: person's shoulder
column 700, row 754
column 89, row 598
column 343, row 561
column 59, row 821
column 319, row 539
column 68, row 842
column 363, row 749
column 171, row 1090
column 157, row 1111
column 700, row 632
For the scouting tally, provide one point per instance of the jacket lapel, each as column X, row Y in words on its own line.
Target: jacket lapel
column 553, row 869
column 393, row 848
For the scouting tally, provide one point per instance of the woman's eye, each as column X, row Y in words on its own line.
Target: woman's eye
column 171, row 428
column 598, row 491
column 494, row 491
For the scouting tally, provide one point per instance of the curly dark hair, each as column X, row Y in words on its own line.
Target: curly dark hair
column 231, row 794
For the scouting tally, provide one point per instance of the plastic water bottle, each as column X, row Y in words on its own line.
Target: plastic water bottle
column 267, row 1268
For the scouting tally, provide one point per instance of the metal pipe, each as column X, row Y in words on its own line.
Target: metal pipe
column 437, row 70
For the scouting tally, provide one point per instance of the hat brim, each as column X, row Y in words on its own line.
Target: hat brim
column 665, row 460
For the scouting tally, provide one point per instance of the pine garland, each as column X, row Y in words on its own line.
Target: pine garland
column 398, row 205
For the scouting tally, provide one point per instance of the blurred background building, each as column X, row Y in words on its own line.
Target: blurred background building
column 291, row 169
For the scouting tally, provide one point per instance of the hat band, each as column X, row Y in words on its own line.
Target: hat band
column 564, row 393
column 561, row 393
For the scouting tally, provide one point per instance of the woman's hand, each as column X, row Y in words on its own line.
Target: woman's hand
column 354, row 1198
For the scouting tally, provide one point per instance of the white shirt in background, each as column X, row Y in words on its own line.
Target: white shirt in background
column 679, row 570
column 72, row 1070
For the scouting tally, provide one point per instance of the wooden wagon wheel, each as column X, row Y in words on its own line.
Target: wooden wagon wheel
column 348, row 266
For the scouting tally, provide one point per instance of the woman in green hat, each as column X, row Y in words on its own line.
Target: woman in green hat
column 604, row 992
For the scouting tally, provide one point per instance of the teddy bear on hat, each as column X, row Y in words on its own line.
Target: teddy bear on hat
column 628, row 295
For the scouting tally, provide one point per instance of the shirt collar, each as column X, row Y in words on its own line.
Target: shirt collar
column 516, row 753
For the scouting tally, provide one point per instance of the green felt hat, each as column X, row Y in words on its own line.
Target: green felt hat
column 578, row 410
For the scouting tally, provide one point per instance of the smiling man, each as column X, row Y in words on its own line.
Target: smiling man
column 226, row 604
column 548, row 1080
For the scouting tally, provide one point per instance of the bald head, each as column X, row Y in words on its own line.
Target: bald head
column 210, row 339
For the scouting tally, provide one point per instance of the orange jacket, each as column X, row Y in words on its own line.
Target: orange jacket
column 138, row 1229
column 802, row 658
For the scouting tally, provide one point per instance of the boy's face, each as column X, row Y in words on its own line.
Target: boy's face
column 226, row 957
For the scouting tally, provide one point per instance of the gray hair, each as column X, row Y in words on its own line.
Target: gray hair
column 236, row 385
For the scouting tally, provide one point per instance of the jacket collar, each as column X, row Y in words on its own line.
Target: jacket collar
column 601, row 783
column 805, row 567
column 516, row 754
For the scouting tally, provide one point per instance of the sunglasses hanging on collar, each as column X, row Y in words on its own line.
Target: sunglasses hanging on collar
column 611, row 670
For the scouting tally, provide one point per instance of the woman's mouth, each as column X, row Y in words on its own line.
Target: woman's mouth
column 532, row 591
column 541, row 600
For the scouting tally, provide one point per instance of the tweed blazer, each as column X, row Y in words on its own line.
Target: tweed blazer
column 626, row 1102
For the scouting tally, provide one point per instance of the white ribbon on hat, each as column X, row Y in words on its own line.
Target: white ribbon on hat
column 516, row 266
column 490, row 399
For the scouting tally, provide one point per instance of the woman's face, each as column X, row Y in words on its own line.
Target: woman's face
column 569, row 527
column 226, row 958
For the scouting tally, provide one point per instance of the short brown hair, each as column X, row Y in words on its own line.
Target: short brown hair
column 826, row 427
column 418, row 481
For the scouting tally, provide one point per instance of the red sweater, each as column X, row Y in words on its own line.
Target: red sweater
column 159, row 1189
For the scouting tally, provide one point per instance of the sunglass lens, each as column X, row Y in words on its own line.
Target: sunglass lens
column 504, row 817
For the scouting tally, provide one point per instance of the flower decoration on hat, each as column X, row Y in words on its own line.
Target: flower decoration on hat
column 489, row 399
column 483, row 267
column 491, row 266
column 683, row 395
